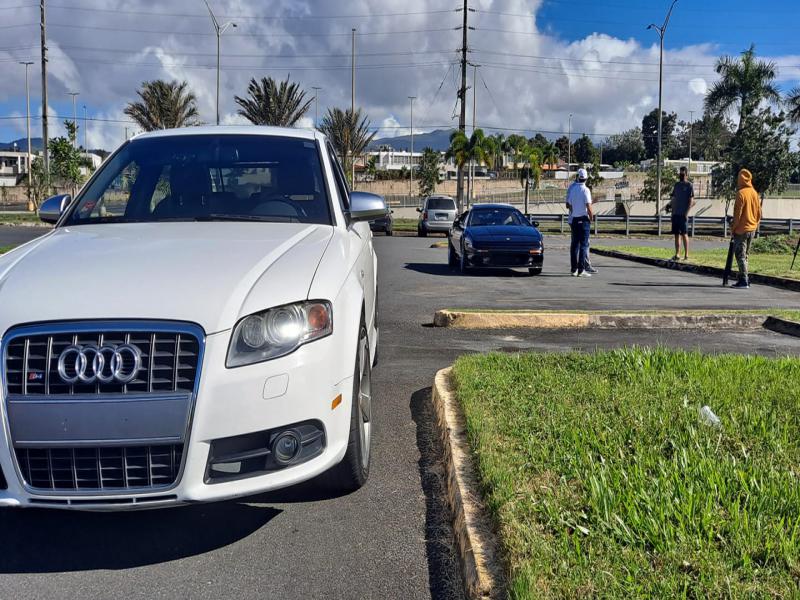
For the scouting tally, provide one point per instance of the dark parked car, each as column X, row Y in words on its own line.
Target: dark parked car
column 495, row 236
column 385, row 224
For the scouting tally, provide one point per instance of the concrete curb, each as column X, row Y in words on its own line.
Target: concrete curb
column 545, row 320
column 779, row 282
column 782, row 326
column 477, row 546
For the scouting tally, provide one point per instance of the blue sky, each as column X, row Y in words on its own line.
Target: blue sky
column 541, row 61
column 729, row 24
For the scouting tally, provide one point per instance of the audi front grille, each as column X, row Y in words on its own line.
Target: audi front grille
column 95, row 407
column 169, row 362
column 100, row 468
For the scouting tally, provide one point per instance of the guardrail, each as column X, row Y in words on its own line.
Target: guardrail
column 773, row 225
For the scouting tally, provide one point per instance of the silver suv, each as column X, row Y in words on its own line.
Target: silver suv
column 436, row 215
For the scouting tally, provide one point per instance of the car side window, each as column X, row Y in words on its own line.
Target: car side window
column 341, row 180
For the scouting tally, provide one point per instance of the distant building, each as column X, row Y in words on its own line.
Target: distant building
column 13, row 167
column 394, row 160
column 698, row 167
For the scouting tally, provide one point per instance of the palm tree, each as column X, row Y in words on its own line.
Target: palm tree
column 744, row 83
column 272, row 103
column 793, row 102
column 464, row 150
column 163, row 105
column 550, row 156
column 348, row 132
column 532, row 160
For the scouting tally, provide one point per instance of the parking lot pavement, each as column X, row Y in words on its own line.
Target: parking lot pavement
column 392, row 538
column 421, row 276
column 13, row 235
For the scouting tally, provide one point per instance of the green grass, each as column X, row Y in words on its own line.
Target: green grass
column 783, row 313
column 603, row 482
column 17, row 218
column 763, row 263
column 405, row 225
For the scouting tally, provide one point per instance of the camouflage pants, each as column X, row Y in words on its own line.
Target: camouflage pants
column 741, row 248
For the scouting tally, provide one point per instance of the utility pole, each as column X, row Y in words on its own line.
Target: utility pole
column 691, row 127
column 474, row 111
column 316, row 106
column 353, row 102
column 411, row 158
column 74, row 117
column 661, row 31
column 45, row 156
column 219, row 29
column 569, row 146
column 85, row 123
column 27, row 64
column 462, row 94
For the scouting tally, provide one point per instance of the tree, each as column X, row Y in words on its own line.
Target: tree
column 272, row 103
column 595, row 178
column 625, row 147
column 464, row 150
column 668, row 178
column 531, row 170
column 744, row 83
column 583, row 149
column 349, row 134
column 650, row 132
column 550, row 156
column 163, row 105
column 562, row 144
column 538, row 141
column 38, row 187
column 428, row 172
column 761, row 145
column 793, row 104
column 710, row 136
column 66, row 160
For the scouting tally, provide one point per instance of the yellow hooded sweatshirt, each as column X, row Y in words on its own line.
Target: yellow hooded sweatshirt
column 747, row 210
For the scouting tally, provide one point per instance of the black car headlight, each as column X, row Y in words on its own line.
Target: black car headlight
column 468, row 243
column 278, row 331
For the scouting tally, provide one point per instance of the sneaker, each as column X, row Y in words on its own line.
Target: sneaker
column 574, row 273
column 584, row 274
column 675, row 258
column 741, row 285
column 590, row 269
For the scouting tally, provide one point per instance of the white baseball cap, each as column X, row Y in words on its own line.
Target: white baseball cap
column 582, row 174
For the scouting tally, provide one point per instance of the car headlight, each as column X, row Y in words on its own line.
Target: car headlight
column 468, row 243
column 278, row 331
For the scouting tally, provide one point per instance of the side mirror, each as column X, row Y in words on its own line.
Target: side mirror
column 419, row 209
column 366, row 207
column 51, row 209
column 535, row 224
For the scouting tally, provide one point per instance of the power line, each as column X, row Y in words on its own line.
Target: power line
column 257, row 35
column 253, row 17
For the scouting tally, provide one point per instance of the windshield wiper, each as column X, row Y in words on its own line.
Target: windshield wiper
column 261, row 218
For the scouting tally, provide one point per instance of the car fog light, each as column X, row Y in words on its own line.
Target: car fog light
column 286, row 447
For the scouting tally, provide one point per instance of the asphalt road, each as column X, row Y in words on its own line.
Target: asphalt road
column 391, row 539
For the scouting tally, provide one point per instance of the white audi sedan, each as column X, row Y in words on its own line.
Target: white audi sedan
column 199, row 325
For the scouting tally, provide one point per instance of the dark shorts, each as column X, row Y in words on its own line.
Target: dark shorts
column 679, row 224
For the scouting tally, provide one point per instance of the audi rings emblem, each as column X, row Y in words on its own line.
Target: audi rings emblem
column 107, row 363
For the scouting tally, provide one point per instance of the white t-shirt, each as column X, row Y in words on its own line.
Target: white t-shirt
column 579, row 197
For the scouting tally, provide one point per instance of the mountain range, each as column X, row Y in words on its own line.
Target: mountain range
column 438, row 140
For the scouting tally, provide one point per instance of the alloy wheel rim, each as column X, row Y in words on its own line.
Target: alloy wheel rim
column 365, row 402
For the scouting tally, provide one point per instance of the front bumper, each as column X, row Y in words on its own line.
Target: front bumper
column 499, row 259
column 229, row 403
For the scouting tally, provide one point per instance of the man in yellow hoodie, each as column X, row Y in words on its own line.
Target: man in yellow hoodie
column 746, row 217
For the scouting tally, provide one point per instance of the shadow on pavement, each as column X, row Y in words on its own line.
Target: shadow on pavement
column 445, row 271
column 443, row 569
column 51, row 541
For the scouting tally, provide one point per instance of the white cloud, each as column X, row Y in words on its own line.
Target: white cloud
column 534, row 80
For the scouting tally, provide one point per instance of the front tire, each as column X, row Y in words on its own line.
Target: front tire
column 462, row 263
column 352, row 473
column 452, row 259
column 422, row 232
column 389, row 232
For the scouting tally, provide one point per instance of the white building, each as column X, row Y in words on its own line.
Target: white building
column 395, row 160
column 13, row 166
column 698, row 167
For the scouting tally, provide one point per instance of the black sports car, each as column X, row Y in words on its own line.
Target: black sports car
column 495, row 236
column 385, row 224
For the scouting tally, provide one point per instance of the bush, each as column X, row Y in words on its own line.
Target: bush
column 774, row 244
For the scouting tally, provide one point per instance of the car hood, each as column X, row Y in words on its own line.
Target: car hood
column 199, row 272
column 502, row 233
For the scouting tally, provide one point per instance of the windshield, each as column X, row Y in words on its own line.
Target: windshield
column 441, row 204
column 497, row 216
column 208, row 178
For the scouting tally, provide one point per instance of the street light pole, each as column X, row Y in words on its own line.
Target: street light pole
column 28, row 131
column 569, row 146
column 85, row 131
column 661, row 31
column 219, row 29
column 691, row 127
column 353, row 103
column 411, row 157
column 316, row 106
column 74, row 117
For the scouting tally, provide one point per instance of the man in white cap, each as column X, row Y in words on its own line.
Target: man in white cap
column 579, row 203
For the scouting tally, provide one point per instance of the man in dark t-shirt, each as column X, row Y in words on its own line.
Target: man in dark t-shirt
column 682, row 202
